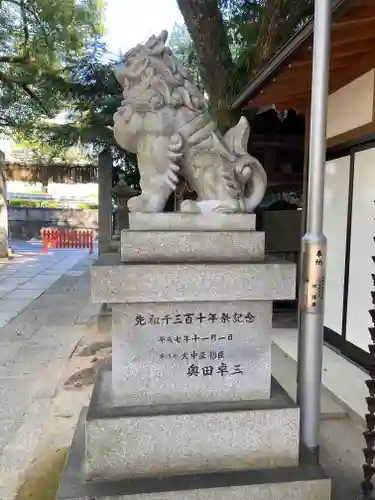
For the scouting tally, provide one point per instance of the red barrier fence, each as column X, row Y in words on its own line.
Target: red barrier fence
column 57, row 238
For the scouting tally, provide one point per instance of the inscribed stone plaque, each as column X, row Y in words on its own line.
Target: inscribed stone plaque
column 197, row 352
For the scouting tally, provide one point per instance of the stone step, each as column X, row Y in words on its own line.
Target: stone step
column 173, row 439
column 113, row 281
column 303, row 481
column 192, row 246
column 178, row 221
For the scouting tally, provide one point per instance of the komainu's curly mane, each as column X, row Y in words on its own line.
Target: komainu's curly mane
column 152, row 78
column 165, row 120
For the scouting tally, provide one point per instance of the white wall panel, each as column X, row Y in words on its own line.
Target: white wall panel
column 351, row 106
column 362, row 248
column 334, row 227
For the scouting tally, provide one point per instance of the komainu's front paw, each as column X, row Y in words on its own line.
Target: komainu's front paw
column 189, row 206
column 138, row 203
column 211, row 206
column 170, row 178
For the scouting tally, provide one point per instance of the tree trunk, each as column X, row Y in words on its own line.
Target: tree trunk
column 279, row 19
column 205, row 24
column 269, row 32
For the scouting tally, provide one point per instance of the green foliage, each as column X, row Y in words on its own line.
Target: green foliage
column 40, row 40
column 34, row 204
column 57, row 87
column 183, row 48
column 53, row 63
column 244, row 22
column 93, row 95
column 48, row 204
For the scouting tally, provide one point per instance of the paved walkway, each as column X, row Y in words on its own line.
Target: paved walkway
column 30, row 273
column 38, row 333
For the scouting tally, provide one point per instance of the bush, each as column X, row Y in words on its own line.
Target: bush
column 34, row 203
column 90, row 206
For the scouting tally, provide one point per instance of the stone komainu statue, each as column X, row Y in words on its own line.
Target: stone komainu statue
column 164, row 119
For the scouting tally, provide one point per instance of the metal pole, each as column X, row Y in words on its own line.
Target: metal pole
column 314, row 242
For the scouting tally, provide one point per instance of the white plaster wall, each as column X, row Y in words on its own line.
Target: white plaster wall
column 362, row 248
column 334, row 227
column 351, row 106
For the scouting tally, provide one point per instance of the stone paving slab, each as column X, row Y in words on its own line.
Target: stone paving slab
column 31, row 359
column 39, row 283
column 30, row 273
column 8, row 428
column 11, row 283
column 24, row 325
column 24, row 294
column 12, row 304
column 8, row 352
column 26, row 277
column 5, row 317
column 14, row 396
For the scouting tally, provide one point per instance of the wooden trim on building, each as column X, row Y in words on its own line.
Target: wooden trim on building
column 64, row 173
column 352, row 135
column 347, row 349
column 352, row 54
column 349, row 217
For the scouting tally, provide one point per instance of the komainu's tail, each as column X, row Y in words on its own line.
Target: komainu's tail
column 247, row 167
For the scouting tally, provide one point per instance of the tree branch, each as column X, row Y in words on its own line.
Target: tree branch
column 270, row 27
column 14, row 59
column 12, row 83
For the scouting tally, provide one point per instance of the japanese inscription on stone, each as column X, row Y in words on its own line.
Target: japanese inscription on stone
column 191, row 318
column 191, row 352
column 207, row 368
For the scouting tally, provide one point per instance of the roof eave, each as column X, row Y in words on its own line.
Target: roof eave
column 291, row 46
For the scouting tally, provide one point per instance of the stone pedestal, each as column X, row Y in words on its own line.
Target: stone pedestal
column 189, row 409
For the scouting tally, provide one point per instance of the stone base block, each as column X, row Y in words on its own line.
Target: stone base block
column 160, row 440
column 192, row 246
column 177, row 221
column 113, row 281
column 301, row 482
column 191, row 353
